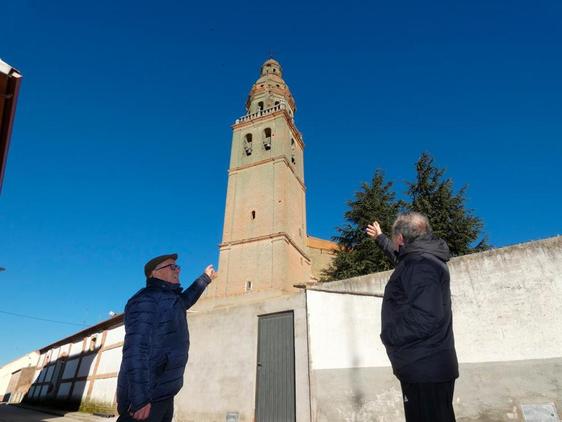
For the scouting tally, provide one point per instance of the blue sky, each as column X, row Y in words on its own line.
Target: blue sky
column 122, row 135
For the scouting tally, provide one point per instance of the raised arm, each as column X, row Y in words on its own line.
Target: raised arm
column 192, row 294
column 374, row 230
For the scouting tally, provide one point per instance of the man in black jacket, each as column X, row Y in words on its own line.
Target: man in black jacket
column 417, row 321
column 156, row 346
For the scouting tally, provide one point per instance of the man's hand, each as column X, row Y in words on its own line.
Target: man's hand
column 142, row 414
column 210, row 271
column 374, row 229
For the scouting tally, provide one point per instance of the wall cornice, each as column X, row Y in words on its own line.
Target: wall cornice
column 274, row 236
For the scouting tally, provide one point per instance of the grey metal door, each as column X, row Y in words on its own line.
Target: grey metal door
column 275, row 384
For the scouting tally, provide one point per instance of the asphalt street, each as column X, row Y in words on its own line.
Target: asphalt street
column 17, row 414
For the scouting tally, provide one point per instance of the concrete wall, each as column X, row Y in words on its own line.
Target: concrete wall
column 507, row 306
column 221, row 373
column 508, row 322
column 350, row 376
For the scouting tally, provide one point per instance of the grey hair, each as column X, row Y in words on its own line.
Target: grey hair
column 411, row 225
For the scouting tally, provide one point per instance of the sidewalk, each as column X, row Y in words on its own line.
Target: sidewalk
column 74, row 416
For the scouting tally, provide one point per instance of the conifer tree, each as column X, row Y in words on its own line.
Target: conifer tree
column 358, row 253
column 432, row 194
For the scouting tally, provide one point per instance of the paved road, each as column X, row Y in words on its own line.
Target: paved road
column 17, row 414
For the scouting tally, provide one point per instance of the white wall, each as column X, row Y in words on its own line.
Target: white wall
column 508, row 303
column 343, row 331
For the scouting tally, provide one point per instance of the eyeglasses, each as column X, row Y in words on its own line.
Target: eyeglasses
column 173, row 267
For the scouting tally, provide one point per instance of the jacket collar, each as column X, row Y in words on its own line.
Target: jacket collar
column 161, row 284
column 426, row 244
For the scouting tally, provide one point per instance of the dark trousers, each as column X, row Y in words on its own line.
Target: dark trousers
column 160, row 411
column 428, row 402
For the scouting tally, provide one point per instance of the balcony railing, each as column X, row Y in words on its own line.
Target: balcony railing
column 261, row 113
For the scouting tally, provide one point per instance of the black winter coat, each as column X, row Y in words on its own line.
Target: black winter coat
column 417, row 320
column 156, row 345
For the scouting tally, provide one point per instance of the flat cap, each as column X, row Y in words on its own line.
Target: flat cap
column 153, row 263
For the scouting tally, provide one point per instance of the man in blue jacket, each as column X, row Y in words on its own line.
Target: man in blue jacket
column 156, row 346
column 417, row 320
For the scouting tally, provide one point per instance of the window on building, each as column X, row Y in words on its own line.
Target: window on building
column 248, row 286
column 293, row 151
column 248, row 144
column 253, row 215
column 260, row 105
column 267, row 138
column 93, row 343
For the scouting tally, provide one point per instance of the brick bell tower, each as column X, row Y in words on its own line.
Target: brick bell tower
column 264, row 243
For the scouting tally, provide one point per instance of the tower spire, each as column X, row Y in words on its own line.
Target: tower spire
column 270, row 90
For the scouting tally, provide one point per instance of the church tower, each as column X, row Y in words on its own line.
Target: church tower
column 264, row 243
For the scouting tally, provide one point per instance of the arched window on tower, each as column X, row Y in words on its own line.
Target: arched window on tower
column 248, row 144
column 267, row 138
column 260, row 106
column 293, row 151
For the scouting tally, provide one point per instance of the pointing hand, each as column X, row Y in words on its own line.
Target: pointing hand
column 210, row 271
column 374, row 229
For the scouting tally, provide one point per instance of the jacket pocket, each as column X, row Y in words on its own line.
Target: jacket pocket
column 158, row 369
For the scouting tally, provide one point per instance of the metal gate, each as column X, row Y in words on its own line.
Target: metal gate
column 275, row 383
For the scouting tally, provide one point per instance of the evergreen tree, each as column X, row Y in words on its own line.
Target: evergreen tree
column 358, row 253
column 432, row 194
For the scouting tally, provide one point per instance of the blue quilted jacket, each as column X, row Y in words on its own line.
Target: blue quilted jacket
column 156, row 344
